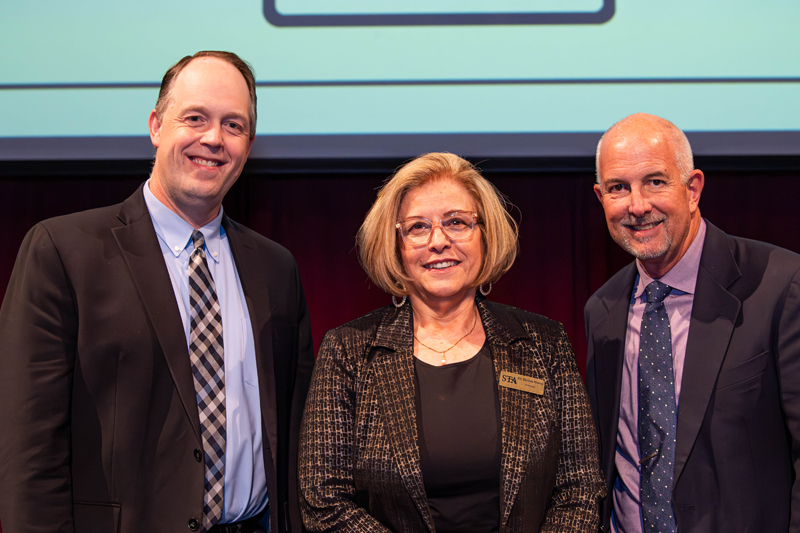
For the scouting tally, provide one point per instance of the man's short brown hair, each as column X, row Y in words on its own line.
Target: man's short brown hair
column 165, row 93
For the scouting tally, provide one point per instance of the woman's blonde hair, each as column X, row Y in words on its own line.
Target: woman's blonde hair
column 378, row 240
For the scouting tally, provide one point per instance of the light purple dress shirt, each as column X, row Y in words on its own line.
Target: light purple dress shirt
column 245, row 492
column 627, row 516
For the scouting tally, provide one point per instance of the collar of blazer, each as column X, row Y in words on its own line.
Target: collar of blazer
column 714, row 314
column 138, row 244
column 393, row 364
column 396, row 330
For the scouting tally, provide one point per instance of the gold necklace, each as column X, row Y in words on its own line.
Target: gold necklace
column 444, row 359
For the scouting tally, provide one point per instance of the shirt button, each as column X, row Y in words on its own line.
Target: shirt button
column 214, row 254
column 198, row 455
column 177, row 248
column 193, row 524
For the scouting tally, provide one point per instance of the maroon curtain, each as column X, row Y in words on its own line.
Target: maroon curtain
column 565, row 250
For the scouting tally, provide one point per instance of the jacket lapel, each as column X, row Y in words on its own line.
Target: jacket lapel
column 394, row 375
column 714, row 314
column 139, row 245
column 521, row 413
column 517, row 409
column 608, row 342
column 250, row 269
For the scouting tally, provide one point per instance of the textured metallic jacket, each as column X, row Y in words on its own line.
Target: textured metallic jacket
column 359, row 455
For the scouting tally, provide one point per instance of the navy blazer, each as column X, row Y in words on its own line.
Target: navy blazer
column 736, row 457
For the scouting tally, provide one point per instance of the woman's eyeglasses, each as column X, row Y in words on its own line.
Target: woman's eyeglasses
column 457, row 226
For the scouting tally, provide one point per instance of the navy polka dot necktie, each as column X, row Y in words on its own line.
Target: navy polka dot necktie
column 658, row 415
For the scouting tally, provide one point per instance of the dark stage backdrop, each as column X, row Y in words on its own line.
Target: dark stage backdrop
column 565, row 251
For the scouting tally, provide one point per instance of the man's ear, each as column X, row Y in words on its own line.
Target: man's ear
column 694, row 186
column 155, row 128
column 599, row 192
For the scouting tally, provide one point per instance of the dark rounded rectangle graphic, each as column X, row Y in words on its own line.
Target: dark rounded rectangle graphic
column 435, row 12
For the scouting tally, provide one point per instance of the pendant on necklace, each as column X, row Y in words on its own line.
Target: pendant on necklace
column 444, row 360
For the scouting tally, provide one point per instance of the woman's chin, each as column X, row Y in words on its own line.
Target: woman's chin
column 445, row 293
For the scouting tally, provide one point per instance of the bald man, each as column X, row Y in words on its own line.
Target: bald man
column 694, row 353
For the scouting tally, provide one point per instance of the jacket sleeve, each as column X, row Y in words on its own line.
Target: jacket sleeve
column 579, row 485
column 38, row 328
column 327, row 488
column 788, row 360
column 305, row 365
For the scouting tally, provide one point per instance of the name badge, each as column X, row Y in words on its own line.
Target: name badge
column 523, row 383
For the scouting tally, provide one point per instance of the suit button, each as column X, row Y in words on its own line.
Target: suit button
column 198, row 455
column 193, row 524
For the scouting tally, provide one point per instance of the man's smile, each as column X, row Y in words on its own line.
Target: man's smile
column 205, row 162
column 643, row 225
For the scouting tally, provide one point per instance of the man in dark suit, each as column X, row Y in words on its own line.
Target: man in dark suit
column 694, row 353
column 156, row 355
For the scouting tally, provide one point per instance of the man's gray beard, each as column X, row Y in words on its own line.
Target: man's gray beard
column 627, row 244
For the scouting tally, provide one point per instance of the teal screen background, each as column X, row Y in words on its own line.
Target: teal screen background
column 88, row 70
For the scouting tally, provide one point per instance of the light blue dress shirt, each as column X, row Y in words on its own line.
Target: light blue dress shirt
column 245, row 479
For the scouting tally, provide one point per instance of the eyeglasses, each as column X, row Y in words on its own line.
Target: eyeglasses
column 457, row 226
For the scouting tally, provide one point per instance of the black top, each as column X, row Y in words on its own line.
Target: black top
column 458, row 419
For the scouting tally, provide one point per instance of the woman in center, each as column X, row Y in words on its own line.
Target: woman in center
column 446, row 412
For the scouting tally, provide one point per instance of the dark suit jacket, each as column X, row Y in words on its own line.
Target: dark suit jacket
column 359, row 456
column 99, row 422
column 737, row 446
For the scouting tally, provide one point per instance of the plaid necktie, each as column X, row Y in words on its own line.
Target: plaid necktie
column 657, row 423
column 205, row 350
